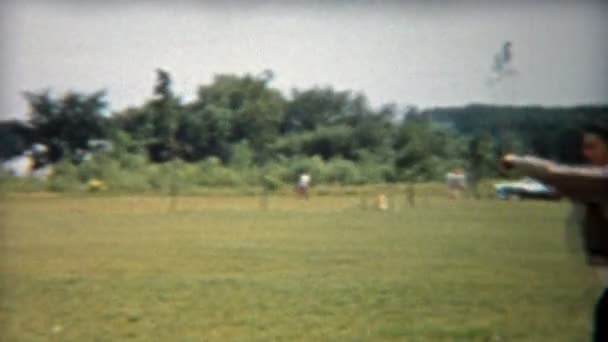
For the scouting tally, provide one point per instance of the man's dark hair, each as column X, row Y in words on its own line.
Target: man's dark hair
column 599, row 128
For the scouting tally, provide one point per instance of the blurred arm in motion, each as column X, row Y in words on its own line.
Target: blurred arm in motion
column 580, row 183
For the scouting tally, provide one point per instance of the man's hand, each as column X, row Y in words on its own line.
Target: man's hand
column 506, row 162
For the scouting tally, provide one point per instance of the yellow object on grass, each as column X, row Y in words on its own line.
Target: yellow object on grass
column 95, row 185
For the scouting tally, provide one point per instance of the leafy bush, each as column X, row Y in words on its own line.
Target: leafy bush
column 271, row 183
column 315, row 166
column 65, row 177
column 343, row 172
column 9, row 183
column 241, row 156
column 211, row 172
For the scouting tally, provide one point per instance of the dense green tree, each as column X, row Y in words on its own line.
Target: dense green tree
column 68, row 122
column 425, row 150
column 253, row 109
column 481, row 159
column 313, row 108
column 205, row 132
column 551, row 132
column 165, row 111
column 155, row 124
column 375, row 132
column 15, row 137
column 326, row 142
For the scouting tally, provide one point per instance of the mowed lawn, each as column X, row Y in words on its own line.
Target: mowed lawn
column 101, row 268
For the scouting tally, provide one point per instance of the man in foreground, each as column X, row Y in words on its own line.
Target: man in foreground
column 587, row 188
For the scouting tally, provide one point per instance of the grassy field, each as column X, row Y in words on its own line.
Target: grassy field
column 110, row 268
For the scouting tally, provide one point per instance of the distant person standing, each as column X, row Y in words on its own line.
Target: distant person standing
column 303, row 185
column 456, row 182
column 587, row 187
column 381, row 202
column 410, row 194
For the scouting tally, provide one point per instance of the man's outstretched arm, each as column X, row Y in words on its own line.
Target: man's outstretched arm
column 585, row 184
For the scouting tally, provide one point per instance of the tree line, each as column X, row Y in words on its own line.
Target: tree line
column 240, row 127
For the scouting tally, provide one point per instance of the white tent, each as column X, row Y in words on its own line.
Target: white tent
column 20, row 166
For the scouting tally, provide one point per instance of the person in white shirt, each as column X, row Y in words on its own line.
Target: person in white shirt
column 456, row 182
column 303, row 185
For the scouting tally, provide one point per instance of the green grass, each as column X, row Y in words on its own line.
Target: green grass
column 104, row 268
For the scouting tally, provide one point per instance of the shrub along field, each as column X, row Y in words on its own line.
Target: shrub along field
column 220, row 268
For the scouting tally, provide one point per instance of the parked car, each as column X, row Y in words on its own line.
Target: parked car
column 525, row 188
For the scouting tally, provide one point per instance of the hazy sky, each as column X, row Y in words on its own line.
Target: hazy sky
column 411, row 52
